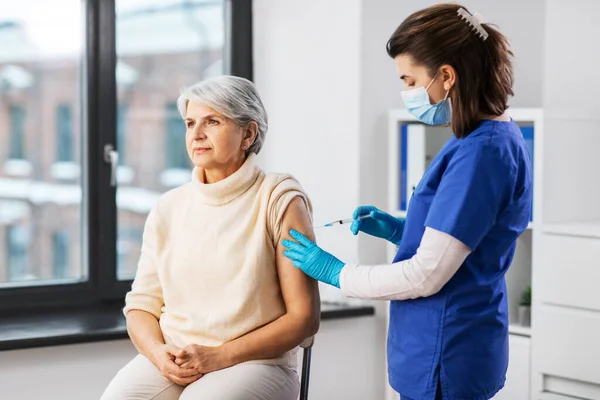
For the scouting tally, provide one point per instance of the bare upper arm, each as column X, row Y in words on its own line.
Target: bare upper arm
column 300, row 292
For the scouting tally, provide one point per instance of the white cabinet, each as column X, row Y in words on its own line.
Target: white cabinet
column 572, row 259
column 567, row 354
column 554, row 396
column 566, row 273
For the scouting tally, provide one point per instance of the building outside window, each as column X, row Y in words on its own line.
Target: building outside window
column 17, row 133
column 176, row 153
column 60, row 254
column 64, row 133
column 18, row 245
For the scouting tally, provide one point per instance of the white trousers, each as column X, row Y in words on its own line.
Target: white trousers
column 141, row 380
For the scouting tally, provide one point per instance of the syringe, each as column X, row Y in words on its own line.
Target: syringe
column 343, row 221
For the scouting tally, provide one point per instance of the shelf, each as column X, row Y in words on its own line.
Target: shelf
column 53, row 328
column 589, row 229
column 515, row 329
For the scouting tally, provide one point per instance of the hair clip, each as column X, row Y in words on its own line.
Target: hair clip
column 475, row 21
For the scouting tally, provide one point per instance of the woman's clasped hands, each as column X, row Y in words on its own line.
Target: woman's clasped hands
column 186, row 365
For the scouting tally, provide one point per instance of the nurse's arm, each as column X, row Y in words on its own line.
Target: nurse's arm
column 437, row 259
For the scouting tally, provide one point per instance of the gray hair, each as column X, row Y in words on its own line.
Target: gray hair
column 235, row 98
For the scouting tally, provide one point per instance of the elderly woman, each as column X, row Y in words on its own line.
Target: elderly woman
column 216, row 310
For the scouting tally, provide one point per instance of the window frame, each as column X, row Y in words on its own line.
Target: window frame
column 99, row 210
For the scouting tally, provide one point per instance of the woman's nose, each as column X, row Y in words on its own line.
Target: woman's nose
column 199, row 133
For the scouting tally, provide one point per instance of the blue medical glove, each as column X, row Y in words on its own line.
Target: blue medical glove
column 314, row 261
column 381, row 224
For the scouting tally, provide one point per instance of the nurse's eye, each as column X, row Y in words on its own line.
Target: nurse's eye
column 190, row 124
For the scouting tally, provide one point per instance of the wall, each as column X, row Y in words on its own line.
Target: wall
column 571, row 125
column 308, row 70
column 340, row 366
column 308, row 76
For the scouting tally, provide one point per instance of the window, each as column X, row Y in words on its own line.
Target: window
column 17, row 133
column 44, row 59
column 18, row 245
column 60, row 254
column 64, row 133
column 160, row 48
column 95, row 85
column 129, row 246
column 177, row 156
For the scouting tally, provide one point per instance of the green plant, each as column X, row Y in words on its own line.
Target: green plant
column 526, row 297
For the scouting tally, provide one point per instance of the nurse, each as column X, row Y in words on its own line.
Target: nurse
column 448, row 333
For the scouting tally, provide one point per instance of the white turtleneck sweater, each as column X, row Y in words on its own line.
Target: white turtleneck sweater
column 207, row 269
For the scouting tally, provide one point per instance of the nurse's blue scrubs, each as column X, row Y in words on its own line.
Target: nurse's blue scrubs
column 454, row 344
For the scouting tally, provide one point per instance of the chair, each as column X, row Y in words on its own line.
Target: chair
column 307, row 352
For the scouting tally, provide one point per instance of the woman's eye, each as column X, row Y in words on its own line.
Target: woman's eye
column 213, row 122
column 190, row 124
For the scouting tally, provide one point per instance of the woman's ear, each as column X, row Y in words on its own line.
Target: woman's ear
column 250, row 133
column 448, row 74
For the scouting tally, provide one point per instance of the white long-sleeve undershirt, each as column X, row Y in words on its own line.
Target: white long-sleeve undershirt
column 437, row 259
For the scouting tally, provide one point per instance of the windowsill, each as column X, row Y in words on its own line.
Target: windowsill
column 84, row 326
column 173, row 177
column 17, row 167
column 65, row 170
column 125, row 174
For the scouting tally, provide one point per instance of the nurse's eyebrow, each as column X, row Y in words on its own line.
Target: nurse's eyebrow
column 404, row 76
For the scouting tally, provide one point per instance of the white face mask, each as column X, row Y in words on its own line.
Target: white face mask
column 418, row 104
